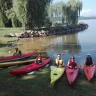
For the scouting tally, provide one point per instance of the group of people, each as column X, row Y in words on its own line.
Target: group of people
column 59, row 62
column 72, row 63
column 19, row 53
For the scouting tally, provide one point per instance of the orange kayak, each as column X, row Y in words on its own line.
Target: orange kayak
column 89, row 72
column 72, row 75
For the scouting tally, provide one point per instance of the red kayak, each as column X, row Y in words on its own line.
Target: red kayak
column 11, row 58
column 89, row 72
column 29, row 68
column 72, row 75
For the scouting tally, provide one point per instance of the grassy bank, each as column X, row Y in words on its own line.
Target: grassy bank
column 5, row 42
column 10, row 30
column 38, row 84
column 3, row 31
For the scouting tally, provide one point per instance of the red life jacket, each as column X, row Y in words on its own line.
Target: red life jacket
column 40, row 59
column 72, row 63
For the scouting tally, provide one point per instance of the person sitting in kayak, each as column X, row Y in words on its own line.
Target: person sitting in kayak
column 72, row 63
column 59, row 62
column 18, row 52
column 89, row 61
column 39, row 59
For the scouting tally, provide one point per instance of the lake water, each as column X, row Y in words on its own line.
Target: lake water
column 78, row 44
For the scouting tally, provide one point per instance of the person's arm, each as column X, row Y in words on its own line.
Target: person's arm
column 14, row 54
column 41, row 59
column 84, row 62
column 54, row 62
column 36, row 60
column 69, row 65
column 63, row 65
column 41, row 62
column 92, row 62
column 76, row 64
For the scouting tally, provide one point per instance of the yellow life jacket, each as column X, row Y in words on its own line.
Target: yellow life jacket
column 59, row 62
column 17, row 53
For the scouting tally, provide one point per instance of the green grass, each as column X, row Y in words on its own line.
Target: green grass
column 10, row 30
column 38, row 84
column 5, row 42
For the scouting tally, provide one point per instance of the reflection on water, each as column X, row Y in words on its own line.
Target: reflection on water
column 53, row 45
column 78, row 44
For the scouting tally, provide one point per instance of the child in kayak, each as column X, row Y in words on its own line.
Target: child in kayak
column 59, row 62
column 89, row 61
column 39, row 59
column 18, row 52
column 72, row 63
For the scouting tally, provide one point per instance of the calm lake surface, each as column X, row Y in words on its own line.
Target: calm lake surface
column 78, row 45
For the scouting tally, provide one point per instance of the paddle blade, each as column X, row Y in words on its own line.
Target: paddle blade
column 30, row 73
column 52, row 67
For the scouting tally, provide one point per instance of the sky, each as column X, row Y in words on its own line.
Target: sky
column 89, row 7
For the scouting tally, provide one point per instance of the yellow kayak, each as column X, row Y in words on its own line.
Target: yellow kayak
column 7, row 64
column 56, row 74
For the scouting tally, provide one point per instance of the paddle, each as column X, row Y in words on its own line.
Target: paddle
column 30, row 73
column 80, row 66
column 52, row 67
column 12, row 66
column 47, row 66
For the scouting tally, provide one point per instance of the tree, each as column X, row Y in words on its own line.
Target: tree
column 73, row 8
column 8, row 16
column 4, row 6
column 12, row 16
column 32, row 13
column 69, row 10
column 37, row 12
column 20, row 8
column 55, row 11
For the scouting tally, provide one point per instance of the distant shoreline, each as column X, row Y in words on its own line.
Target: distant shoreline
column 86, row 18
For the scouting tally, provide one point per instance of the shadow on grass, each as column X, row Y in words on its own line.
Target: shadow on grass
column 38, row 84
column 4, row 45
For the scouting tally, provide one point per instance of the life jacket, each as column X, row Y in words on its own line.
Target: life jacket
column 17, row 53
column 73, row 64
column 59, row 62
column 39, row 60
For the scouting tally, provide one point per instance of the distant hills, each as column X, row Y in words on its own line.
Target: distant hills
column 84, row 18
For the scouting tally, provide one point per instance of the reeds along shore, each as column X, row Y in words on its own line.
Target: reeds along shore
column 56, row 30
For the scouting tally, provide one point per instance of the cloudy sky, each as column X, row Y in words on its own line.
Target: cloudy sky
column 89, row 7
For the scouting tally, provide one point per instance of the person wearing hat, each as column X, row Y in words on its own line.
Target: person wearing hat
column 89, row 61
column 17, row 52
